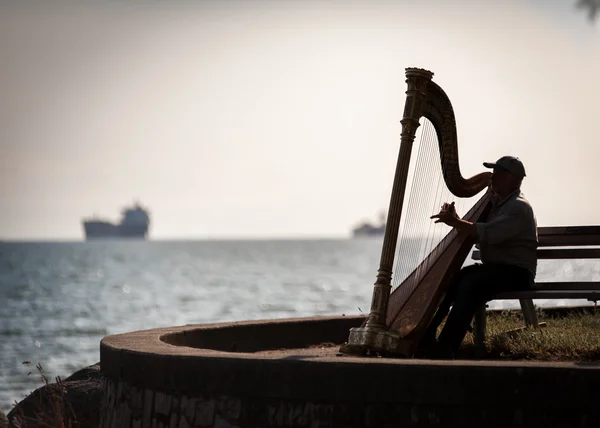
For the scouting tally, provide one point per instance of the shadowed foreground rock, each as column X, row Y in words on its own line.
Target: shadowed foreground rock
column 73, row 402
column 3, row 420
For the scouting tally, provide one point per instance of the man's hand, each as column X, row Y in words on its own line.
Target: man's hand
column 447, row 215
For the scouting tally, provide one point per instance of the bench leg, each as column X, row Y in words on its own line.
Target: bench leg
column 480, row 329
column 529, row 313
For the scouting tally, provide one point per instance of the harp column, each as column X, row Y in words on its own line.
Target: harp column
column 417, row 80
column 373, row 335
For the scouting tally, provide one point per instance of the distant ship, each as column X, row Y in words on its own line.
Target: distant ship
column 368, row 229
column 134, row 223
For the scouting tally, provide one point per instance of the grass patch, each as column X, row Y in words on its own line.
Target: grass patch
column 569, row 335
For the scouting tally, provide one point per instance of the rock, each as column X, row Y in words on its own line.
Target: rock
column 74, row 401
column 3, row 420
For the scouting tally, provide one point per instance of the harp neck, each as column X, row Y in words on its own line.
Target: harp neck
column 424, row 98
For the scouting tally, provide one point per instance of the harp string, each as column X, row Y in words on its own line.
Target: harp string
column 413, row 237
column 407, row 227
column 432, row 236
column 428, row 201
column 408, row 247
column 440, row 233
column 420, row 239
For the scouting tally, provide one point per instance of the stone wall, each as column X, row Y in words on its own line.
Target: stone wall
column 130, row 407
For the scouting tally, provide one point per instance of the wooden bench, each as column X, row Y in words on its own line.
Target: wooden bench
column 557, row 238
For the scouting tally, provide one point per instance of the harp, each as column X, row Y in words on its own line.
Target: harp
column 400, row 314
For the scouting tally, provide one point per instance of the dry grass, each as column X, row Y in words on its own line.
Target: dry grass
column 569, row 335
column 49, row 410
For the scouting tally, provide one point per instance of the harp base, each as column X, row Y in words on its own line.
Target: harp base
column 368, row 340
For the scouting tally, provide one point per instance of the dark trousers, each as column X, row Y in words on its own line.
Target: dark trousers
column 472, row 286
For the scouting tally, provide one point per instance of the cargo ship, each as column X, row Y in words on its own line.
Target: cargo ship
column 367, row 229
column 134, row 223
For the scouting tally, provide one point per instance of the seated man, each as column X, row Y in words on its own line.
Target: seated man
column 507, row 241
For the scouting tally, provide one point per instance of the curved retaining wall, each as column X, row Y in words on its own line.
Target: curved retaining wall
column 272, row 374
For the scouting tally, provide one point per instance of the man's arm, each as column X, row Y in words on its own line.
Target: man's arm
column 506, row 226
column 466, row 227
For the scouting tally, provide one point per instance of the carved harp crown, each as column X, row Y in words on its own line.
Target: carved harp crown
column 397, row 319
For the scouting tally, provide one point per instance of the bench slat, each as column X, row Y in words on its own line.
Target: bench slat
column 568, row 241
column 575, row 285
column 569, row 230
column 568, row 236
column 556, row 290
column 593, row 295
column 569, row 253
column 558, row 253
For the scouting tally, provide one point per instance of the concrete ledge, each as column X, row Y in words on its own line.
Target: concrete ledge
column 193, row 360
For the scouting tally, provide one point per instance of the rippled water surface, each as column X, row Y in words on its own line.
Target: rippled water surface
column 57, row 300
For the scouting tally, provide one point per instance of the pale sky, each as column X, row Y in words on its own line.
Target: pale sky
column 281, row 118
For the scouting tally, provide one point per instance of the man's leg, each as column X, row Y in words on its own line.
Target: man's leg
column 475, row 288
column 431, row 332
